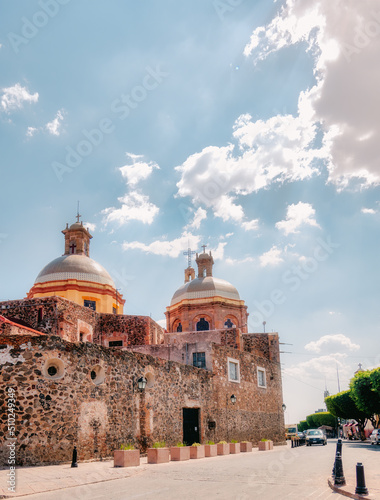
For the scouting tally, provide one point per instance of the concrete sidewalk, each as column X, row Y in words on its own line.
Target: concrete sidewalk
column 32, row 480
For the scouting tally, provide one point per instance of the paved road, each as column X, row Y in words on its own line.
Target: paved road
column 284, row 473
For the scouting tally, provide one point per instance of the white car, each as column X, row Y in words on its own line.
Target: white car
column 375, row 436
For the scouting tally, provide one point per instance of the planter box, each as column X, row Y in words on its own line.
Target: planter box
column 126, row 458
column 179, row 453
column 234, row 448
column 211, row 450
column 265, row 445
column 197, row 451
column 244, row 447
column 158, row 455
column 223, row 449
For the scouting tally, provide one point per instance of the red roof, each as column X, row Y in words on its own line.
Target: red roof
column 3, row 319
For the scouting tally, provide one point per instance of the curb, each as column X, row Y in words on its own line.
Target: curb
column 338, row 489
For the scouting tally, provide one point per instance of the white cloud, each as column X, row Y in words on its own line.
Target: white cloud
column 14, row 97
column 368, row 211
column 343, row 37
column 332, row 342
column 134, row 206
column 139, row 170
column 272, row 257
column 230, row 261
column 162, row 323
column 280, row 149
column 250, row 225
column 31, row 131
column 173, row 248
column 218, row 252
column 320, row 368
column 199, row 216
column 54, row 126
column 90, row 226
column 297, row 215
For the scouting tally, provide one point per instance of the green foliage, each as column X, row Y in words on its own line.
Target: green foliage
column 180, row 445
column 234, row 441
column 316, row 420
column 210, row 442
column 222, row 442
column 128, row 446
column 196, row 444
column 263, row 440
column 364, row 392
column 159, row 444
column 303, row 425
column 375, row 379
column 342, row 405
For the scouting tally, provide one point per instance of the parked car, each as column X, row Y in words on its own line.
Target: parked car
column 315, row 436
column 375, row 436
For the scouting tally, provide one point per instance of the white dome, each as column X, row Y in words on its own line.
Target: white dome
column 200, row 288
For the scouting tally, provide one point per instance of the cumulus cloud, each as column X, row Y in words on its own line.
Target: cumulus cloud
column 13, row 98
column 265, row 152
column 134, row 206
column 173, row 248
column 199, row 216
column 138, row 170
column 321, row 367
column 368, row 211
column 297, row 215
column 272, row 257
column 250, row 225
column 90, row 226
column 332, row 342
column 54, row 126
column 31, row 131
column 343, row 37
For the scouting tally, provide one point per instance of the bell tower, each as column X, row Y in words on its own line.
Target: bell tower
column 205, row 263
column 77, row 239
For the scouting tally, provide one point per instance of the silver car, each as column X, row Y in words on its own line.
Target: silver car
column 375, row 436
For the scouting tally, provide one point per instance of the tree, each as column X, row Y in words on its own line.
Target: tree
column 342, row 405
column 321, row 418
column 302, row 426
column 365, row 395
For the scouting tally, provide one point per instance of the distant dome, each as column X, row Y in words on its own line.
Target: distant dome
column 200, row 288
column 78, row 267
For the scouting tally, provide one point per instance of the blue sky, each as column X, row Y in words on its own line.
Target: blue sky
column 248, row 126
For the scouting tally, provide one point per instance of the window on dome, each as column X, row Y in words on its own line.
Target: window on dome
column 91, row 304
column 228, row 323
column 73, row 248
column 204, row 272
column 203, row 325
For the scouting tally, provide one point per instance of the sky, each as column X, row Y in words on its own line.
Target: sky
column 250, row 126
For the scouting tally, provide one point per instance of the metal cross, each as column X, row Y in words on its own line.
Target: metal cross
column 204, row 248
column 78, row 214
column 189, row 253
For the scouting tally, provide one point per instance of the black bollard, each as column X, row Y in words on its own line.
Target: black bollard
column 338, row 450
column 339, row 479
column 74, row 460
column 361, row 488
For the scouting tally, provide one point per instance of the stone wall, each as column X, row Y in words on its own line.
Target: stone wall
column 257, row 412
column 72, row 322
column 96, row 414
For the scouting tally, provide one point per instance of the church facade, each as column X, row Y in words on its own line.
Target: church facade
column 75, row 364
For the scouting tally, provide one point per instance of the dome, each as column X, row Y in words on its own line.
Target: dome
column 79, row 267
column 200, row 288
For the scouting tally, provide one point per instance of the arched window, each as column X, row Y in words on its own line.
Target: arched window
column 179, row 327
column 203, row 325
column 204, row 272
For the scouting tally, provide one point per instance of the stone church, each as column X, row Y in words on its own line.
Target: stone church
column 85, row 374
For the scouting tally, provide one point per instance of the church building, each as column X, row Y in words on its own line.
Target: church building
column 84, row 374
